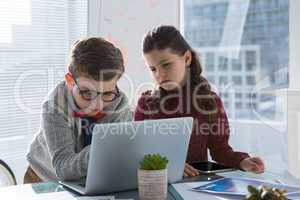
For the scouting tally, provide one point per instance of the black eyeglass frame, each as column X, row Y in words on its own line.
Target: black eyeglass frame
column 101, row 94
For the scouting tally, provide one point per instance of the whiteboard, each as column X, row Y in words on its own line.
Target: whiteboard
column 125, row 23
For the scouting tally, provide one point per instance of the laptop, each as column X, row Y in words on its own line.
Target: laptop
column 117, row 149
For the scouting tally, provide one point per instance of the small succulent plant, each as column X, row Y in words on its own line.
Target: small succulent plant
column 153, row 162
column 264, row 193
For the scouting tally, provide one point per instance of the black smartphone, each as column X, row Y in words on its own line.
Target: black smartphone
column 208, row 167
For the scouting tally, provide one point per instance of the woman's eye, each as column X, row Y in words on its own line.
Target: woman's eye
column 152, row 69
column 166, row 65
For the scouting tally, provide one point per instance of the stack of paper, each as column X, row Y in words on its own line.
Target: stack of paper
column 185, row 192
column 227, row 188
column 238, row 186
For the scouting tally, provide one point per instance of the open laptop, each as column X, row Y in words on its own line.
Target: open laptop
column 117, row 149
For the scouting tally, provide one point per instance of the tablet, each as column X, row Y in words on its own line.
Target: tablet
column 211, row 167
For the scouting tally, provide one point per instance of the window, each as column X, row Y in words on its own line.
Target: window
column 211, row 79
column 223, row 63
column 34, row 50
column 210, row 58
column 252, row 53
column 238, row 95
column 250, row 60
column 250, row 80
column 209, row 67
column 250, row 66
column 209, row 62
column 223, row 80
column 249, row 105
column 251, row 96
column 237, row 80
column 236, row 65
column 223, row 95
column 238, row 105
column 226, row 104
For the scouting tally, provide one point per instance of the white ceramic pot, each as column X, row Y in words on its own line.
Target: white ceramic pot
column 153, row 184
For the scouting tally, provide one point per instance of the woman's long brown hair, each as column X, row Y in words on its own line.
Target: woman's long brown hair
column 168, row 37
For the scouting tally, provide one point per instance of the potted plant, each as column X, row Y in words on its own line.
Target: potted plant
column 264, row 193
column 152, row 177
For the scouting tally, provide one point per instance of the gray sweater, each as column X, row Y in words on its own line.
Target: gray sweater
column 57, row 152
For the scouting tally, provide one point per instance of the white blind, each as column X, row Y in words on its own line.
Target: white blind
column 35, row 38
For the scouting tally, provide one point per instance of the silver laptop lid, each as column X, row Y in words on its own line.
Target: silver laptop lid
column 117, row 149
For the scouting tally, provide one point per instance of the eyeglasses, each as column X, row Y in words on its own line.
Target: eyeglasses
column 90, row 95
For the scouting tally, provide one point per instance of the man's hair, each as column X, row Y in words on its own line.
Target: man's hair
column 96, row 58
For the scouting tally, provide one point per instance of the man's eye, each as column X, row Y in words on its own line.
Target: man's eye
column 87, row 93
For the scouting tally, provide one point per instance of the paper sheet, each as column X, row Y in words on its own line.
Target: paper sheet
column 184, row 190
column 53, row 195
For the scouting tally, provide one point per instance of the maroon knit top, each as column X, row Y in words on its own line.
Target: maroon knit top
column 206, row 134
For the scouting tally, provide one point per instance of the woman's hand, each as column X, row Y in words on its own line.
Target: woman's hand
column 190, row 171
column 253, row 164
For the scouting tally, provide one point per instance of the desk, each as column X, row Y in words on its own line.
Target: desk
column 50, row 187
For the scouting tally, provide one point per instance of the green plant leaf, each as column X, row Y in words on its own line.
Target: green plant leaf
column 153, row 162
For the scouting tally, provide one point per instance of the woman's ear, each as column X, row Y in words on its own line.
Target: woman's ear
column 69, row 80
column 188, row 58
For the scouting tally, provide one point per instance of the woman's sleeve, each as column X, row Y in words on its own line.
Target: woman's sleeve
column 139, row 112
column 218, row 139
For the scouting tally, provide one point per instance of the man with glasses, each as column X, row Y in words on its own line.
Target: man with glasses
column 88, row 95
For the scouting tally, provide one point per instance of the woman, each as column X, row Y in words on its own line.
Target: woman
column 182, row 92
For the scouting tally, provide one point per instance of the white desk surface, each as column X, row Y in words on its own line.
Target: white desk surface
column 31, row 191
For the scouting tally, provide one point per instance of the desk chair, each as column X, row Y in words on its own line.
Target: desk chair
column 7, row 176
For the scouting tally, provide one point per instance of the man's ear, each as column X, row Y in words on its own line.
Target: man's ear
column 69, row 80
column 188, row 58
